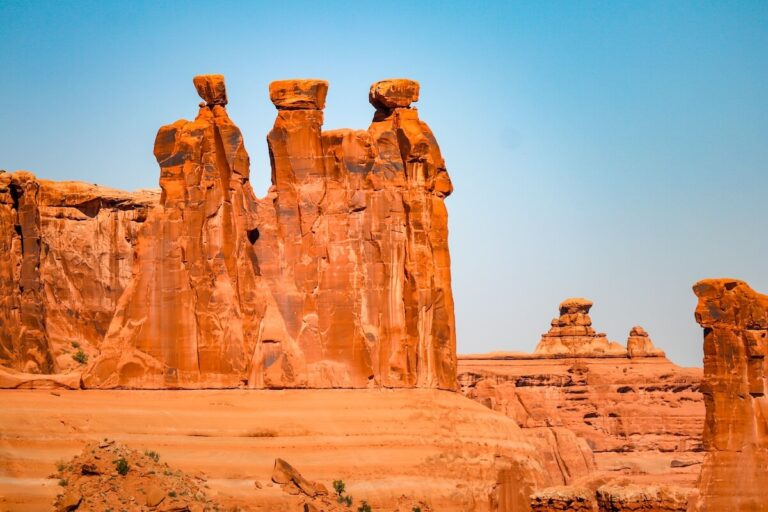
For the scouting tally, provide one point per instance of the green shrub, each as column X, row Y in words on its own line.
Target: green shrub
column 172, row 494
column 364, row 507
column 339, row 487
column 64, row 482
column 80, row 356
column 75, row 344
column 152, row 455
column 122, row 466
column 347, row 500
column 416, row 509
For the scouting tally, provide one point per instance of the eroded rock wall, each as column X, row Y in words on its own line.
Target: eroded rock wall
column 339, row 277
column 69, row 251
column 735, row 321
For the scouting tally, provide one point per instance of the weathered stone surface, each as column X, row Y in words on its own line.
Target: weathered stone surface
column 570, row 499
column 339, row 277
column 70, row 250
column 634, row 498
column 211, row 88
column 639, row 344
column 735, row 321
column 572, row 334
column 394, row 93
column 306, row 94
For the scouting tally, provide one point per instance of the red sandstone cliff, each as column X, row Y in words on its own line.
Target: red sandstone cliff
column 339, row 277
column 735, row 322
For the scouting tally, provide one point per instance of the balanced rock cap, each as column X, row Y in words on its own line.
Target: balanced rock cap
column 298, row 94
column 211, row 88
column 575, row 305
column 394, row 93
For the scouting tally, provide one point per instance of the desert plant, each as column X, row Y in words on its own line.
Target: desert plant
column 364, row 507
column 152, row 455
column 122, row 466
column 80, row 356
column 416, row 509
column 172, row 494
column 339, row 487
column 347, row 500
column 75, row 344
column 63, row 482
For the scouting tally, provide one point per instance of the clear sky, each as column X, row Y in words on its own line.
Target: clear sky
column 612, row 150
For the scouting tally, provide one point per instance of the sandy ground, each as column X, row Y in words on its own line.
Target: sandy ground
column 382, row 443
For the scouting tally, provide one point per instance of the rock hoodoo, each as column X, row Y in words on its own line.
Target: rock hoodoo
column 735, row 322
column 572, row 334
column 339, row 277
column 639, row 344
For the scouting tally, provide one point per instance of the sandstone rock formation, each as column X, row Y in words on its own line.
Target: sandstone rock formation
column 339, row 277
column 640, row 415
column 565, row 498
column 572, row 334
column 639, row 344
column 735, row 321
column 611, row 498
column 70, row 249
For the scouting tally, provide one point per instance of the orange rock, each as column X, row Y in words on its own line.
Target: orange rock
column 339, row 277
column 639, row 344
column 572, row 334
column 211, row 88
column 394, row 93
column 632, row 498
column 298, row 94
column 570, row 499
column 735, row 322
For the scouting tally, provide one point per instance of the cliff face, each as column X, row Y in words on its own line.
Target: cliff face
column 640, row 414
column 735, row 322
column 70, row 249
column 339, row 277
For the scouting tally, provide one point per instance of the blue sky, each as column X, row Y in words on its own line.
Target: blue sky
column 612, row 150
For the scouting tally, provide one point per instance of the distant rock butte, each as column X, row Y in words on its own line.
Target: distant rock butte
column 640, row 415
column 339, row 277
column 735, row 322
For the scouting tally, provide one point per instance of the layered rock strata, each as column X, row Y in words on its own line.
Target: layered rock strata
column 339, row 277
column 571, row 334
column 640, row 415
column 735, row 321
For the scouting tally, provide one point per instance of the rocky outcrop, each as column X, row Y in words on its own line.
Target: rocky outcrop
column 339, row 277
column 634, row 498
column 735, row 322
column 565, row 498
column 572, row 334
column 70, row 250
column 640, row 415
column 639, row 344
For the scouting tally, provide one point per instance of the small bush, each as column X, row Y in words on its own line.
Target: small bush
column 339, row 487
column 172, row 494
column 364, row 507
column 80, row 356
column 347, row 500
column 122, row 466
column 61, row 465
column 152, row 455
column 64, row 482
column 75, row 344
column 416, row 509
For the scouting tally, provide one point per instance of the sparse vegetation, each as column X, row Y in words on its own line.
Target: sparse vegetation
column 152, row 455
column 61, row 465
column 122, row 466
column 75, row 344
column 80, row 356
column 416, row 509
column 364, row 507
column 172, row 494
column 340, row 488
column 63, row 482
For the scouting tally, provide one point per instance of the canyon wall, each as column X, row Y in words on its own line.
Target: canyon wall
column 735, row 321
column 339, row 277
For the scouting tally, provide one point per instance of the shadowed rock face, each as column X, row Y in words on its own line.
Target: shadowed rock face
column 735, row 322
column 339, row 277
